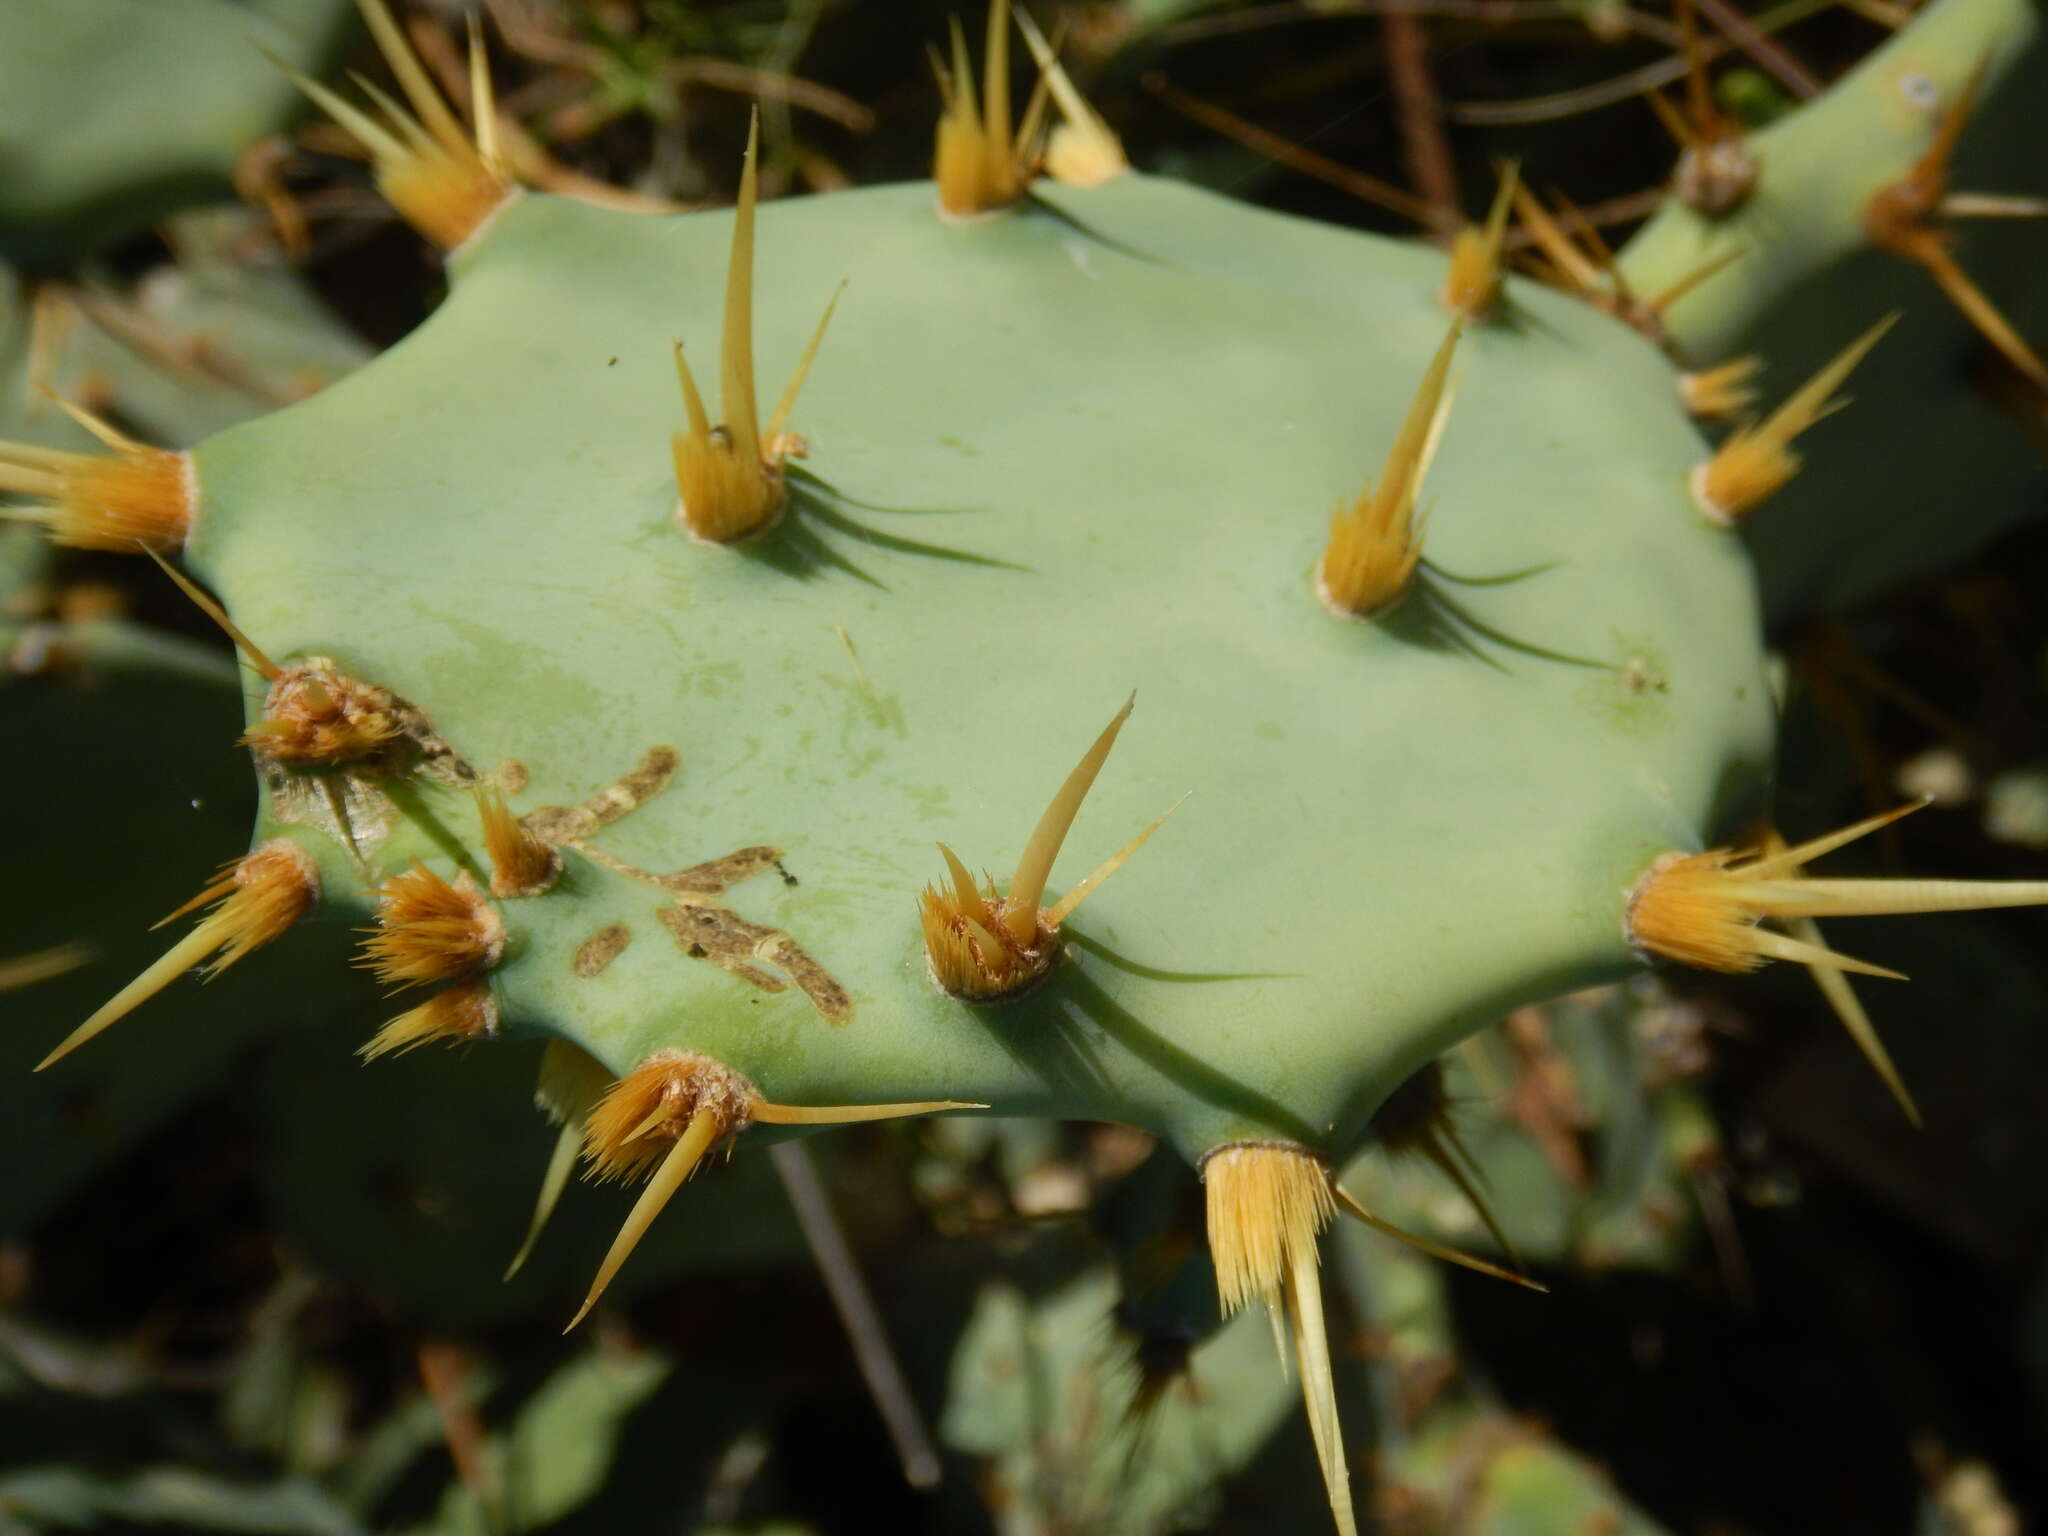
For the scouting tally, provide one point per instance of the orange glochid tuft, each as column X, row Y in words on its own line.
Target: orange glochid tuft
column 642, row 1115
column 429, row 930
column 985, row 947
column 969, row 943
column 522, row 863
column 317, row 717
column 130, row 495
column 464, row 1011
column 663, row 1118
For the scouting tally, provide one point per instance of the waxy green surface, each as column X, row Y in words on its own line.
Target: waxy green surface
column 1126, row 429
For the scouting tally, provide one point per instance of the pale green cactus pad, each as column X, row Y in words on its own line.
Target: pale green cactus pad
column 1055, row 459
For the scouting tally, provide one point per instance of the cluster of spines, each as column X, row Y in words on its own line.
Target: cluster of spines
column 661, row 1120
column 983, row 163
column 1375, row 544
column 446, row 180
column 985, row 946
column 1268, row 1204
column 1708, row 909
column 1756, row 460
column 315, row 717
column 448, row 934
column 1574, row 257
column 730, row 481
column 1910, row 218
column 253, row 901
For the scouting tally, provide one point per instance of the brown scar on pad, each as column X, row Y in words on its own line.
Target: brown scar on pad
column 437, row 758
column 569, row 823
column 733, row 944
column 600, row 950
column 510, row 776
column 716, row 876
column 704, row 929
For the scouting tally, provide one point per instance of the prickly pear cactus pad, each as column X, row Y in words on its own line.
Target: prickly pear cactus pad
column 1340, row 645
column 1053, row 460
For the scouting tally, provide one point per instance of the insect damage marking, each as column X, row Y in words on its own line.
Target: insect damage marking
column 600, row 950
column 718, row 875
column 569, row 823
column 348, row 807
column 720, row 935
column 704, row 928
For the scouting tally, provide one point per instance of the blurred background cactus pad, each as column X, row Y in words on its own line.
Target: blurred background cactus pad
column 864, row 742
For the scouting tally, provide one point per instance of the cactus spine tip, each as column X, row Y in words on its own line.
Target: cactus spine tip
column 1757, row 460
column 256, row 898
column 1472, row 287
column 571, row 1081
column 1353, row 1206
column 1268, row 1203
column 1724, row 390
column 42, row 965
column 1842, row 1000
